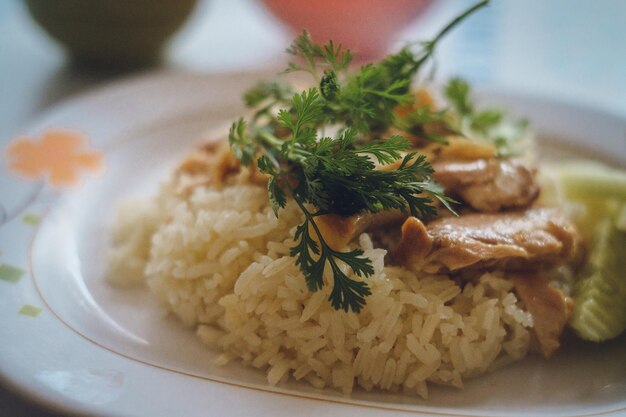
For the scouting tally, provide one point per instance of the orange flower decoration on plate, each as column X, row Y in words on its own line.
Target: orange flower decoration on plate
column 60, row 156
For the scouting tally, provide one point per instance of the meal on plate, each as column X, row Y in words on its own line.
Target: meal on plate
column 367, row 231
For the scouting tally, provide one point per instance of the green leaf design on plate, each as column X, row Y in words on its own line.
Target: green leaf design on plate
column 29, row 310
column 11, row 273
column 31, row 219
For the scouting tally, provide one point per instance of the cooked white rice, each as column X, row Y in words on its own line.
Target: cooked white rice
column 219, row 260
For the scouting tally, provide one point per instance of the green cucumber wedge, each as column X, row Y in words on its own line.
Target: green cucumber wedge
column 589, row 181
column 590, row 192
column 600, row 295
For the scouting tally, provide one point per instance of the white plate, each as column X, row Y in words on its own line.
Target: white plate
column 96, row 350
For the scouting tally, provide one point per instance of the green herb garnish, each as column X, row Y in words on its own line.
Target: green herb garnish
column 337, row 173
column 485, row 124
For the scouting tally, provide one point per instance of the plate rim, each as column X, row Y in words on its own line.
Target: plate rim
column 157, row 77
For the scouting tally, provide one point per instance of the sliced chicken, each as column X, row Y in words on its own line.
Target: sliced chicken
column 488, row 185
column 550, row 309
column 213, row 164
column 415, row 244
column 522, row 240
column 215, row 161
column 456, row 149
column 459, row 148
column 468, row 170
column 338, row 230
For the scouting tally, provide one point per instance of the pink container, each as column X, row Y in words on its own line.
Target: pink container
column 364, row 26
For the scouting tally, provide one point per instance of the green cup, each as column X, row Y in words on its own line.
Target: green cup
column 112, row 33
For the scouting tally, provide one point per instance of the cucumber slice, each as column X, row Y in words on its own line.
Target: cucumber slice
column 595, row 196
column 588, row 181
column 590, row 192
column 600, row 296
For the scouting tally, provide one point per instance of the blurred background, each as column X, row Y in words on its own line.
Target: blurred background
column 569, row 50
column 574, row 50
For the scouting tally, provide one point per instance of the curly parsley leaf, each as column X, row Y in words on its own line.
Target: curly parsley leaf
column 487, row 124
column 352, row 170
column 457, row 92
column 241, row 143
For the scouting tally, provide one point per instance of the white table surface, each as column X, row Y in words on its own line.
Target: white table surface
column 574, row 50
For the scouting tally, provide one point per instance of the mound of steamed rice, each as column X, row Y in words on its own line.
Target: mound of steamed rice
column 219, row 260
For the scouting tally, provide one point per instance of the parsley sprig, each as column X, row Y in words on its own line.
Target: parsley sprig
column 339, row 173
column 486, row 124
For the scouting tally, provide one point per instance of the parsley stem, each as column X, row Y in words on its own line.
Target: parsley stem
column 269, row 138
column 459, row 19
column 384, row 94
column 346, row 293
column 312, row 69
column 295, row 153
column 430, row 46
column 309, row 218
